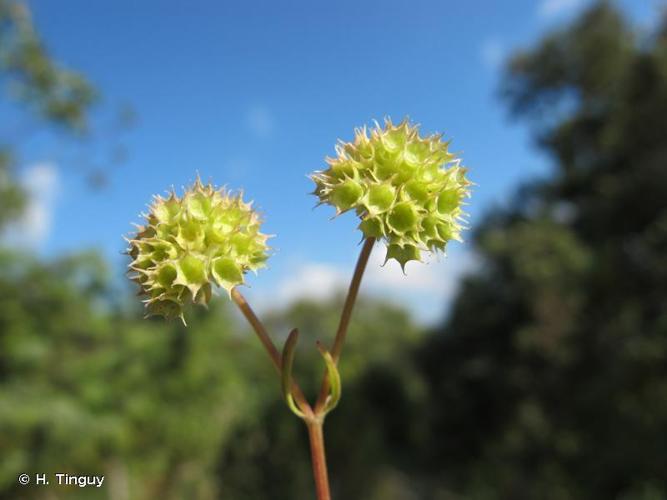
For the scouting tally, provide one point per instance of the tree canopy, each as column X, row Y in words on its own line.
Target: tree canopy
column 556, row 348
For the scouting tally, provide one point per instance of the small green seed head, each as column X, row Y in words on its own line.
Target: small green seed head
column 406, row 189
column 189, row 244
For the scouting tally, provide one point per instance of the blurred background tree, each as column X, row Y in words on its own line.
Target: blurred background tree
column 551, row 375
column 85, row 384
column 32, row 80
column 41, row 95
column 548, row 380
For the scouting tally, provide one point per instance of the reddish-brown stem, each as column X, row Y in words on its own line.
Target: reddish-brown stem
column 266, row 341
column 314, row 418
column 318, row 457
column 345, row 317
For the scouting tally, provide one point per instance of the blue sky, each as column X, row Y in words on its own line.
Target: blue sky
column 254, row 95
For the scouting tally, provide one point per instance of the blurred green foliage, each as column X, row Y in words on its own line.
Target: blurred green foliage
column 547, row 381
column 90, row 388
column 59, row 95
column 61, row 98
column 12, row 197
column 551, row 374
column 42, row 94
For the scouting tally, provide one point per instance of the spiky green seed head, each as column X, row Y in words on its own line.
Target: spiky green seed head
column 206, row 238
column 408, row 190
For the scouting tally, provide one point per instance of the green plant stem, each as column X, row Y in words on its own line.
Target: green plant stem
column 314, row 418
column 270, row 348
column 318, row 456
column 345, row 317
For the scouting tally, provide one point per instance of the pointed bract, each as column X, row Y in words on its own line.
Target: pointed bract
column 407, row 190
column 187, row 244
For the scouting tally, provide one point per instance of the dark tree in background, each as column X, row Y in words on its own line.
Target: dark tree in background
column 551, row 374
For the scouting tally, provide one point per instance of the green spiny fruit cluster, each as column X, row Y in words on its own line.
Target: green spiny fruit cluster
column 188, row 244
column 406, row 189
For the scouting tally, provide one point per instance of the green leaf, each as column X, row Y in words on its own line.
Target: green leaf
column 334, row 379
column 286, row 375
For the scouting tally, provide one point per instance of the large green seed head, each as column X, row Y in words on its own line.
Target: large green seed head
column 408, row 190
column 189, row 244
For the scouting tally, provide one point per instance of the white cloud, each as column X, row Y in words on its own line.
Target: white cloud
column 493, row 53
column 42, row 185
column 316, row 281
column 553, row 8
column 426, row 289
column 260, row 121
column 435, row 274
